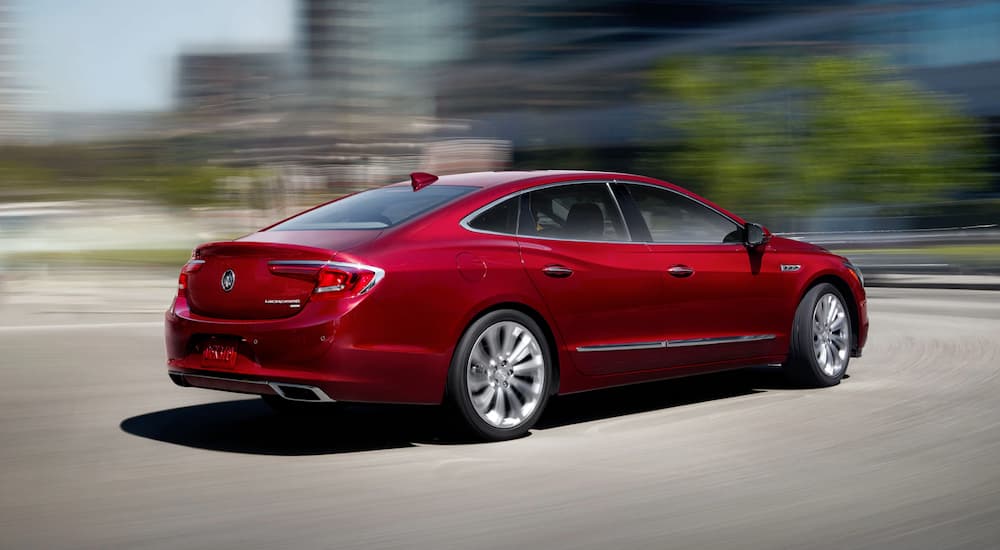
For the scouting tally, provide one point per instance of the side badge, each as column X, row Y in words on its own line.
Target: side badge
column 790, row 267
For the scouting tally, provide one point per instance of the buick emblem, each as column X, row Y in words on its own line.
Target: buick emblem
column 228, row 280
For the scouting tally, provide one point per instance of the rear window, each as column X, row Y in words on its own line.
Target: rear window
column 375, row 209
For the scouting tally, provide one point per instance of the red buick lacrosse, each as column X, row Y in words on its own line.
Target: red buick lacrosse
column 494, row 291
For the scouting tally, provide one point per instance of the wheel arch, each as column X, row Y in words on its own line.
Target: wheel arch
column 542, row 323
column 845, row 290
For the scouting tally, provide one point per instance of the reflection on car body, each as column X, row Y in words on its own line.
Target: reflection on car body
column 494, row 291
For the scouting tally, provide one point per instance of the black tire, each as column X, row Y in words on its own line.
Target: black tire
column 804, row 366
column 459, row 372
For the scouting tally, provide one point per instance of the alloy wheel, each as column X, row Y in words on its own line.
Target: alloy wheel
column 505, row 374
column 831, row 335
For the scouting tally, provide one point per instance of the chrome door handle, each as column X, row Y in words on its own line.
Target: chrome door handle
column 557, row 271
column 680, row 271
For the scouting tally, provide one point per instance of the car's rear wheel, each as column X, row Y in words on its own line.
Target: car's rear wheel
column 821, row 338
column 500, row 375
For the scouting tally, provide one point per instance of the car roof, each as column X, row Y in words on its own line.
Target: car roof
column 504, row 181
column 493, row 179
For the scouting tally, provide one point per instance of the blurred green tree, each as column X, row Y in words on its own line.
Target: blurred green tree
column 764, row 133
column 147, row 170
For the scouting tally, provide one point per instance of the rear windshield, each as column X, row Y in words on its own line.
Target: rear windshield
column 374, row 209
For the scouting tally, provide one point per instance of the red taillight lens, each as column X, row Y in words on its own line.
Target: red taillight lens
column 333, row 280
column 182, row 280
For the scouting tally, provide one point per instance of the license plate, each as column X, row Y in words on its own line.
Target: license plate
column 219, row 354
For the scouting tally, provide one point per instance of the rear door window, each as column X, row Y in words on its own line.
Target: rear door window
column 578, row 212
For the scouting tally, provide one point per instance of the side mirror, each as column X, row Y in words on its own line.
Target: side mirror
column 754, row 236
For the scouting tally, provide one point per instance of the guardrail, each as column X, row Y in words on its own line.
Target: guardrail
column 970, row 234
column 915, row 251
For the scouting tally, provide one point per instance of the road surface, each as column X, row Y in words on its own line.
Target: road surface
column 99, row 450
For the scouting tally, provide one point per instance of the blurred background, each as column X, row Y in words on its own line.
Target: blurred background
column 131, row 131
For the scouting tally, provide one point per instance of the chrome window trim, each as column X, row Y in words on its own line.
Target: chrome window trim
column 618, row 207
column 378, row 271
column 571, row 240
column 692, row 199
column 677, row 343
column 464, row 223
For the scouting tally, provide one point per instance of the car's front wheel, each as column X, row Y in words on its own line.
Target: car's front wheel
column 500, row 375
column 821, row 338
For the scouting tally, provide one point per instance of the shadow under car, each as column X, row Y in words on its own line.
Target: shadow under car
column 250, row 426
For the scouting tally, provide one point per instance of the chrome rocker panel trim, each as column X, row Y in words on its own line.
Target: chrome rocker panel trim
column 677, row 343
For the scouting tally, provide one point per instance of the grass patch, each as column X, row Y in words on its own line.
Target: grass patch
column 944, row 250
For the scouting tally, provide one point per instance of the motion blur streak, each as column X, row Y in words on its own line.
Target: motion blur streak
column 131, row 131
column 809, row 116
column 99, row 452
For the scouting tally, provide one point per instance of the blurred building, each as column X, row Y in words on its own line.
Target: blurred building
column 231, row 83
column 370, row 82
column 369, row 61
column 548, row 74
column 379, row 77
column 536, row 53
column 17, row 123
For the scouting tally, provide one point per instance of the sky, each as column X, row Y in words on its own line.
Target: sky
column 119, row 55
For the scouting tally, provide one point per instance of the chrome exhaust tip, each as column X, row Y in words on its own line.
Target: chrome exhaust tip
column 300, row 392
column 285, row 390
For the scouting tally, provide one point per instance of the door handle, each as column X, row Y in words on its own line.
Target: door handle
column 557, row 271
column 680, row 271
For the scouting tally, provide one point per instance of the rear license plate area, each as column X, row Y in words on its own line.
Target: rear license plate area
column 219, row 354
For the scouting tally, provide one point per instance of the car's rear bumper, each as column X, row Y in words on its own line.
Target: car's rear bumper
column 325, row 348
column 242, row 384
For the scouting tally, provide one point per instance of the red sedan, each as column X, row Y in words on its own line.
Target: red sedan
column 493, row 291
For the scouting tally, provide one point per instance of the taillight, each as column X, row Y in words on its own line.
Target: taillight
column 182, row 280
column 333, row 280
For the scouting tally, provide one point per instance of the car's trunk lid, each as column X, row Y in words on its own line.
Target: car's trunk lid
column 330, row 239
column 235, row 281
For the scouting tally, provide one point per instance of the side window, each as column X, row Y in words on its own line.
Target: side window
column 576, row 211
column 502, row 218
column 674, row 218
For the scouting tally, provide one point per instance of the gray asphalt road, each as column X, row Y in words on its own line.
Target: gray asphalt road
column 99, row 450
